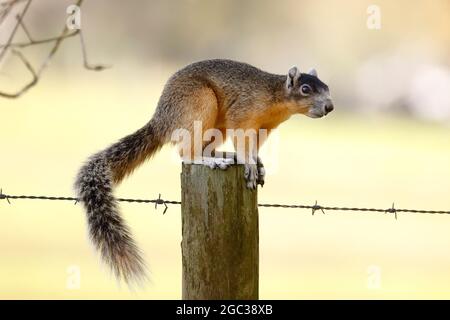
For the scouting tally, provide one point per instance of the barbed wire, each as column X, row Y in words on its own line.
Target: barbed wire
column 159, row 201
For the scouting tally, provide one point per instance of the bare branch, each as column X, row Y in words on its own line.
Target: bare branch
column 13, row 33
column 66, row 33
column 40, row 41
column 5, row 8
column 22, row 24
column 10, row 2
column 4, row 11
column 97, row 67
column 30, row 84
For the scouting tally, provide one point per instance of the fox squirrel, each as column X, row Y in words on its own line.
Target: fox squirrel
column 222, row 94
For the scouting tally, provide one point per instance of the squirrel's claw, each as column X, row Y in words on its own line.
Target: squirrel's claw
column 261, row 173
column 251, row 175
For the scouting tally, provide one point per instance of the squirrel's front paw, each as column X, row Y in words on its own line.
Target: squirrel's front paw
column 251, row 175
column 221, row 163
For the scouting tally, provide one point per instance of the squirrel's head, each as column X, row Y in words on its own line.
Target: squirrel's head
column 307, row 93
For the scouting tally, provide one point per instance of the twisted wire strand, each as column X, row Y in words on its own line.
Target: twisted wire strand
column 160, row 201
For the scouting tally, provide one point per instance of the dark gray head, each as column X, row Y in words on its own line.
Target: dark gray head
column 310, row 95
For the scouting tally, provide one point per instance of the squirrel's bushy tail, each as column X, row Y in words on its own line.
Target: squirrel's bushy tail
column 94, row 187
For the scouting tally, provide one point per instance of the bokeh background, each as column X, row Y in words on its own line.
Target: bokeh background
column 387, row 141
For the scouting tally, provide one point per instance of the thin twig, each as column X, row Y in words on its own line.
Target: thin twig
column 57, row 44
column 13, row 33
column 5, row 10
column 6, row 7
column 40, row 41
column 27, row 86
column 10, row 2
column 97, row 67
column 22, row 24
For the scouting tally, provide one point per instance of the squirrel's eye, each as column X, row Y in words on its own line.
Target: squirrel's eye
column 305, row 89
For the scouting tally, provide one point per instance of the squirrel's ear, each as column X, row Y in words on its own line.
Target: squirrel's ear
column 292, row 77
column 313, row 72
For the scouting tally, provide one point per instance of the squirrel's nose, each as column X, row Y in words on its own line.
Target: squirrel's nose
column 329, row 106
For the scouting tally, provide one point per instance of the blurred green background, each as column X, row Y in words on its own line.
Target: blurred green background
column 387, row 141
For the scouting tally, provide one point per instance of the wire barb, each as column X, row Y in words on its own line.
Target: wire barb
column 316, row 207
column 4, row 196
column 392, row 210
column 161, row 201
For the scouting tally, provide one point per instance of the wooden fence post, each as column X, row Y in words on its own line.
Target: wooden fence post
column 220, row 246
